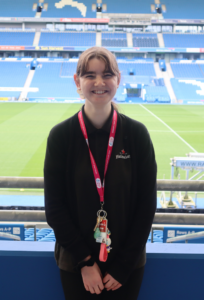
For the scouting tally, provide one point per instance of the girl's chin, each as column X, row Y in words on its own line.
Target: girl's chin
column 99, row 100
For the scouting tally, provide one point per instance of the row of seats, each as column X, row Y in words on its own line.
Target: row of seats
column 16, row 38
column 186, row 70
column 140, row 69
column 145, row 42
column 114, row 43
column 156, row 93
column 47, row 235
column 67, row 39
column 184, row 40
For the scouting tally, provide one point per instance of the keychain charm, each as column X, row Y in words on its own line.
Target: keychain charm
column 101, row 231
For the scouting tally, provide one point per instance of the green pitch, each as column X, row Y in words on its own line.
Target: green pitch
column 175, row 130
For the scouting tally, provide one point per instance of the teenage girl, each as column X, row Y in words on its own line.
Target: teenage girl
column 100, row 189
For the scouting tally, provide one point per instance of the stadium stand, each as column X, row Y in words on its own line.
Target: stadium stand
column 114, row 40
column 79, row 9
column 16, row 38
column 186, row 70
column 188, row 89
column 51, row 84
column 12, row 74
column 53, row 78
column 67, row 39
column 145, row 40
column 183, row 40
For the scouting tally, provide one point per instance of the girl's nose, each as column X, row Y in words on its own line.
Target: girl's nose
column 99, row 81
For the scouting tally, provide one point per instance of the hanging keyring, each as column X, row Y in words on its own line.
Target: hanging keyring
column 102, row 211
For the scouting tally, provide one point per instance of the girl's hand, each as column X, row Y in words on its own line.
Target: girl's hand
column 111, row 283
column 92, row 279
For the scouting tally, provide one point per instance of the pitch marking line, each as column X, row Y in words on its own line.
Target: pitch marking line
column 169, row 128
column 177, row 131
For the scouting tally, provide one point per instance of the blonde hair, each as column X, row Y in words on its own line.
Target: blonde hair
column 100, row 53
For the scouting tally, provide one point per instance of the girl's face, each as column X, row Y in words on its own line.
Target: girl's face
column 97, row 85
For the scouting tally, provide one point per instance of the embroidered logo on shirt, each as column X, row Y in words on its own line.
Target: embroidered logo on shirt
column 111, row 140
column 123, row 155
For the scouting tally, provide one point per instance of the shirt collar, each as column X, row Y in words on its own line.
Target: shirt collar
column 91, row 128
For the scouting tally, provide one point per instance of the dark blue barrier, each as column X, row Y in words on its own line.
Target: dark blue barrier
column 28, row 271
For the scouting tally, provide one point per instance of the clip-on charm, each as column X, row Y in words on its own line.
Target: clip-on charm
column 101, row 234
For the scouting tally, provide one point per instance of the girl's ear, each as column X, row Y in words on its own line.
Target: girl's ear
column 119, row 78
column 76, row 80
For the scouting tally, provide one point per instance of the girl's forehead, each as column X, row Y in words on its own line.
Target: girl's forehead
column 96, row 64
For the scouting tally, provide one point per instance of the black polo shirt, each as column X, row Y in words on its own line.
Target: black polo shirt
column 72, row 200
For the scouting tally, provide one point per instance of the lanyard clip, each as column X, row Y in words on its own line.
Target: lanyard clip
column 102, row 204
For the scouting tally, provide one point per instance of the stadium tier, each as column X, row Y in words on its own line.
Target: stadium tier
column 52, row 79
column 12, row 75
column 187, row 70
column 26, row 38
column 183, row 40
column 145, row 40
column 67, row 39
column 16, row 38
column 114, row 40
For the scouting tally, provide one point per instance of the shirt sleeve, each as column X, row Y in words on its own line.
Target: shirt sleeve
column 128, row 257
column 56, row 199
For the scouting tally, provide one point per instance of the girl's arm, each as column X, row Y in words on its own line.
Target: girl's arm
column 56, row 208
column 130, row 252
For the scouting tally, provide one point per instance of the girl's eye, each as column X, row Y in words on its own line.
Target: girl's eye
column 108, row 75
column 89, row 76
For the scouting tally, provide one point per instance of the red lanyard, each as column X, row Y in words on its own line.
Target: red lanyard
column 99, row 186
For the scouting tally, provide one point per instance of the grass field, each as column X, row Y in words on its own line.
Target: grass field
column 175, row 130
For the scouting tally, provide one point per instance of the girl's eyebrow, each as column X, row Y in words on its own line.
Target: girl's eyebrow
column 91, row 72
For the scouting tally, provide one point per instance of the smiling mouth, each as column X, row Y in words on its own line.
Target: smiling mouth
column 99, row 92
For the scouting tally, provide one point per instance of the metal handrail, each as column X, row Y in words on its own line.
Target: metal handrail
column 186, row 237
column 162, row 184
